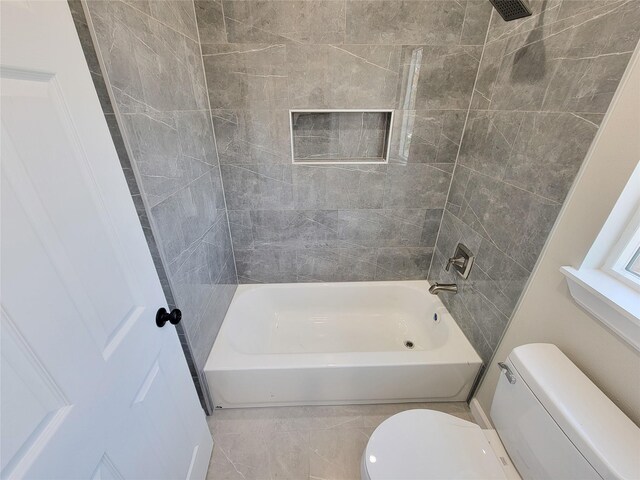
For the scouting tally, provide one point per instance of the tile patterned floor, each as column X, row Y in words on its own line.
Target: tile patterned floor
column 300, row 443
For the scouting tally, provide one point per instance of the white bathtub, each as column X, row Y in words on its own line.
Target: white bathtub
column 338, row 343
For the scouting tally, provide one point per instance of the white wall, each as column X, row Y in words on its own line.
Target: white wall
column 547, row 312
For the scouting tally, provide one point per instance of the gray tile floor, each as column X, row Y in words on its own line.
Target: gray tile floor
column 300, row 443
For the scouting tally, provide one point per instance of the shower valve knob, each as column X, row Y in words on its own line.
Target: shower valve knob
column 162, row 317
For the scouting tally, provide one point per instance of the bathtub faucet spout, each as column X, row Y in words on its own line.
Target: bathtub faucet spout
column 436, row 288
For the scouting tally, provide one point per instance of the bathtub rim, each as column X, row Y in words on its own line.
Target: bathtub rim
column 458, row 350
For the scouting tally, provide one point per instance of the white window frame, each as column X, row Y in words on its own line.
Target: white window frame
column 602, row 285
column 624, row 252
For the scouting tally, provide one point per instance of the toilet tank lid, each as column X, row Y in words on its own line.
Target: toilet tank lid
column 605, row 436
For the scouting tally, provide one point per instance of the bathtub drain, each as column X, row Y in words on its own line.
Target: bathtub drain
column 408, row 344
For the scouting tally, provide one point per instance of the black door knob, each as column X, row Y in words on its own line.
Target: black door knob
column 163, row 317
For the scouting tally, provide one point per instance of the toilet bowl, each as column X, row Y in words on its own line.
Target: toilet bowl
column 427, row 444
column 551, row 422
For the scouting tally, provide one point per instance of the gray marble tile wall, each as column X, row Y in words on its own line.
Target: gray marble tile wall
column 543, row 86
column 304, row 223
column 152, row 60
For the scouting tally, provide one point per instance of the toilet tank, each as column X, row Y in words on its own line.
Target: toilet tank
column 555, row 423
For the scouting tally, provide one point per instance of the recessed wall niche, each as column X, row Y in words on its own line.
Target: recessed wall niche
column 340, row 136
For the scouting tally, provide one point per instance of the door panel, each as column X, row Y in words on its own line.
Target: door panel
column 36, row 403
column 34, row 105
column 91, row 388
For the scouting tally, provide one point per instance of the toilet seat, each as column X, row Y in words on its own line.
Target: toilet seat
column 427, row 444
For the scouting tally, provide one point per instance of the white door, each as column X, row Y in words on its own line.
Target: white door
column 91, row 387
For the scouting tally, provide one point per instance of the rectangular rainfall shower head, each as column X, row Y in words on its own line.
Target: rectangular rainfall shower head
column 511, row 9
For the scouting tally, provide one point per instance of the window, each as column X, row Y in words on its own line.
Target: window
column 634, row 265
column 623, row 262
column 607, row 284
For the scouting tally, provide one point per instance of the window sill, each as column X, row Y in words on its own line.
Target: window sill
column 610, row 301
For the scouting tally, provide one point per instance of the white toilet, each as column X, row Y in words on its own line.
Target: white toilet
column 552, row 420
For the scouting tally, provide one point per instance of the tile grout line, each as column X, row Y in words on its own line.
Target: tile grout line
column 464, row 127
column 160, row 21
column 421, row 110
column 215, row 140
column 344, row 36
column 182, row 187
column 125, row 138
column 522, row 189
column 224, row 26
column 483, row 237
